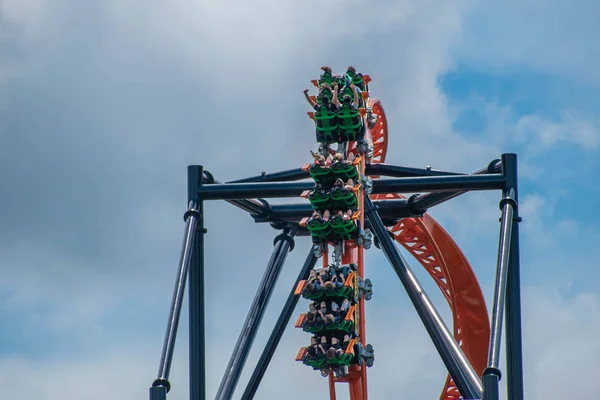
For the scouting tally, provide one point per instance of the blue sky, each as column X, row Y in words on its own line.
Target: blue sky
column 103, row 105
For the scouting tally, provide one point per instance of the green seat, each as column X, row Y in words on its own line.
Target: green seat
column 342, row 199
column 320, row 200
column 350, row 123
column 345, row 292
column 345, row 359
column 344, row 326
column 316, row 328
column 316, row 295
column 346, row 229
column 319, row 229
column 356, row 78
column 344, row 171
column 327, row 78
column 326, row 123
column 316, row 363
column 347, row 91
column 323, row 176
column 324, row 93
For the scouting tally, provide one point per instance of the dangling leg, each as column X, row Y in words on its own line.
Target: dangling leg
column 337, row 253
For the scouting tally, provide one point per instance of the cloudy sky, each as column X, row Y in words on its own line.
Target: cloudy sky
column 104, row 104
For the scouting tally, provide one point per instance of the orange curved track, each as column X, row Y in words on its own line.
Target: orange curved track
column 426, row 240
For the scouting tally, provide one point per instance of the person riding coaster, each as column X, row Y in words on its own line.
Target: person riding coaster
column 333, row 354
column 329, row 317
column 319, row 286
column 356, row 78
column 320, row 199
column 350, row 90
column 342, row 195
column 350, row 123
column 326, row 119
column 321, row 171
column 344, row 168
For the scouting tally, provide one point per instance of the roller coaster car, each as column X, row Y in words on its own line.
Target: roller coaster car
column 346, row 291
column 353, row 353
column 323, row 175
column 340, row 325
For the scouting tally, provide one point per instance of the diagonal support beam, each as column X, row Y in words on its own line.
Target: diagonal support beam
column 492, row 374
column 458, row 365
column 280, row 326
column 284, row 243
column 161, row 385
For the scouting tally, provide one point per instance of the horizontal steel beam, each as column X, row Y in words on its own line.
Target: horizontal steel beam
column 232, row 191
column 400, row 208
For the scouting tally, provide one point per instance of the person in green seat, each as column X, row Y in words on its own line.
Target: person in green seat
column 324, row 91
column 350, row 123
column 325, row 118
column 343, row 197
column 355, row 78
column 343, row 168
column 326, row 76
column 314, row 283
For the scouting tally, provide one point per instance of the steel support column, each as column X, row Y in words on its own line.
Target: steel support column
column 492, row 374
column 197, row 353
column 280, row 326
column 162, row 381
column 514, row 345
column 283, row 245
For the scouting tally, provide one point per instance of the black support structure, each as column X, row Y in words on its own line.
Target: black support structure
column 284, row 243
column 197, row 331
column 428, row 188
column 280, row 325
column 514, row 345
column 467, row 381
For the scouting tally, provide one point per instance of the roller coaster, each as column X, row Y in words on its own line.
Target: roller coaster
column 350, row 208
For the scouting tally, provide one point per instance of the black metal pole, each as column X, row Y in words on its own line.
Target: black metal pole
column 158, row 392
column 191, row 217
column 277, row 333
column 398, row 185
column 283, row 245
column 197, row 356
column 458, row 365
column 514, row 345
column 492, row 374
column 294, row 212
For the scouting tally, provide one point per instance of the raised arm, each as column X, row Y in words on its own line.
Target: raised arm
column 334, row 98
column 310, row 101
column 355, row 90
